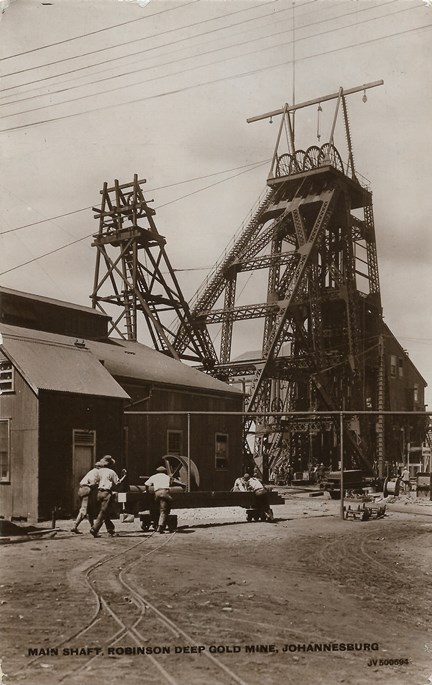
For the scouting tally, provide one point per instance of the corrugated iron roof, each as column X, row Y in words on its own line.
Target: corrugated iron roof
column 129, row 359
column 53, row 362
column 50, row 300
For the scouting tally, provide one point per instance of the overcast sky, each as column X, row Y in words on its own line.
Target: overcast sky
column 94, row 90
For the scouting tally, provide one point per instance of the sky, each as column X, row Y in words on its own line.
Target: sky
column 97, row 90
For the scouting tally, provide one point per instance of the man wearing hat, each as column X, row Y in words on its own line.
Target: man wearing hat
column 248, row 484
column 87, row 496
column 161, row 482
column 107, row 480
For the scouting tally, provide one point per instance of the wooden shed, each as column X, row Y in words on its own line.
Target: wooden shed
column 157, row 383
column 63, row 399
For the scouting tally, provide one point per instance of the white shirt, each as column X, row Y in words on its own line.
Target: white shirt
column 241, row 485
column 91, row 478
column 405, row 475
column 159, row 481
column 255, row 484
column 107, row 478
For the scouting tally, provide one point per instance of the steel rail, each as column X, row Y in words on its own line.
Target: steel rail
column 177, row 631
column 95, row 617
column 330, row 412
column 144, row 604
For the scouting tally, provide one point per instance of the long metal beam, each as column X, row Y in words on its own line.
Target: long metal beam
column 316, row 101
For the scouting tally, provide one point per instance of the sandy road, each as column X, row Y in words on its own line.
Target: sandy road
column 260, row 599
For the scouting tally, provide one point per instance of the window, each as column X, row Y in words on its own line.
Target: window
column 400, row 367
column 4, row 450
column 6, row 377
column 416, row 393
column 393, row 366
column 221, row 451
column 175, row 442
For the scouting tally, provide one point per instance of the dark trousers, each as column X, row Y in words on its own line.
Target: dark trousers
column 104, row 499
column 261, row 499
column 164, row 500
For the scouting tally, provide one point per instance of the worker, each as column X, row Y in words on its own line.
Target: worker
column 248, row 484
column 161, row 481
column 107, row 480
column 242, row 484
column 87, row 495
column 289, row 475
column 321, row 469
column 405, row 479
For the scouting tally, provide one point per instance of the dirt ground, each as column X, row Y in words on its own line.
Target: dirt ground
column 307, row 599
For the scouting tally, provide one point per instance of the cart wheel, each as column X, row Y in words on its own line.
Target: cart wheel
column 256, row 517
column 263, row 516
column 249, row 516
column 172, row 523
column 145, row 522
column 270, row 515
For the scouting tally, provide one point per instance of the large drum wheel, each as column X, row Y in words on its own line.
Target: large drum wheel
column 283, row 165
column 296, row 164
column 311, row 158
column 330, row 156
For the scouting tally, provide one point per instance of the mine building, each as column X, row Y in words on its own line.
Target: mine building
column 64, row 390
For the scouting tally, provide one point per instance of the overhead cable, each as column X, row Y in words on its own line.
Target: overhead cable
column 168, row 185
column 89, row 235
column 212, row 81
column 103, row 71
column 155, row 35
column 207, row 52
column 93, row 33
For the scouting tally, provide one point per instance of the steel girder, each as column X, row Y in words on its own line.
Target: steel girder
column 134, row 273
column 314, row 215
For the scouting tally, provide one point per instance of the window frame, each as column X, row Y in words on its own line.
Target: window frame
column 9, row 368
column 226, row 457
column 7, row 478
column 393, row 366
column 178, row 433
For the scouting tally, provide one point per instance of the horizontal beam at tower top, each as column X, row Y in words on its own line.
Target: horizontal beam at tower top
column 316, row 101
column 122, row 186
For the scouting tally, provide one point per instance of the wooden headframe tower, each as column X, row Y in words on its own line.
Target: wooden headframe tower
column 135, row 280
column 313, row 235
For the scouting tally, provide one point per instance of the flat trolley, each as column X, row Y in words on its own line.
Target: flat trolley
column 137, row 502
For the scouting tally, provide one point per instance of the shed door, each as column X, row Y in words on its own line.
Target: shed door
column 84, row 452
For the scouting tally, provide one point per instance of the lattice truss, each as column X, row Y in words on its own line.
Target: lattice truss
column 319, row 315
column 134, row 280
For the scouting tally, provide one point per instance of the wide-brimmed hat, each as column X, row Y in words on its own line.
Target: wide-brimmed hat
column 107, row 460
column 246, row 476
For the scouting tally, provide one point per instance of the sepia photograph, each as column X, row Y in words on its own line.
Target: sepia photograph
column 215, row 342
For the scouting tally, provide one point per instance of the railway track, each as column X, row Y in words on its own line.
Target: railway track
column 122, row 620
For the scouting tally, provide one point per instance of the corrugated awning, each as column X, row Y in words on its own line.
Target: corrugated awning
column 53, row 362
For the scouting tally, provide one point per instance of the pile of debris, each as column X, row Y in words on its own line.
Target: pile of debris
column 11, row 532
